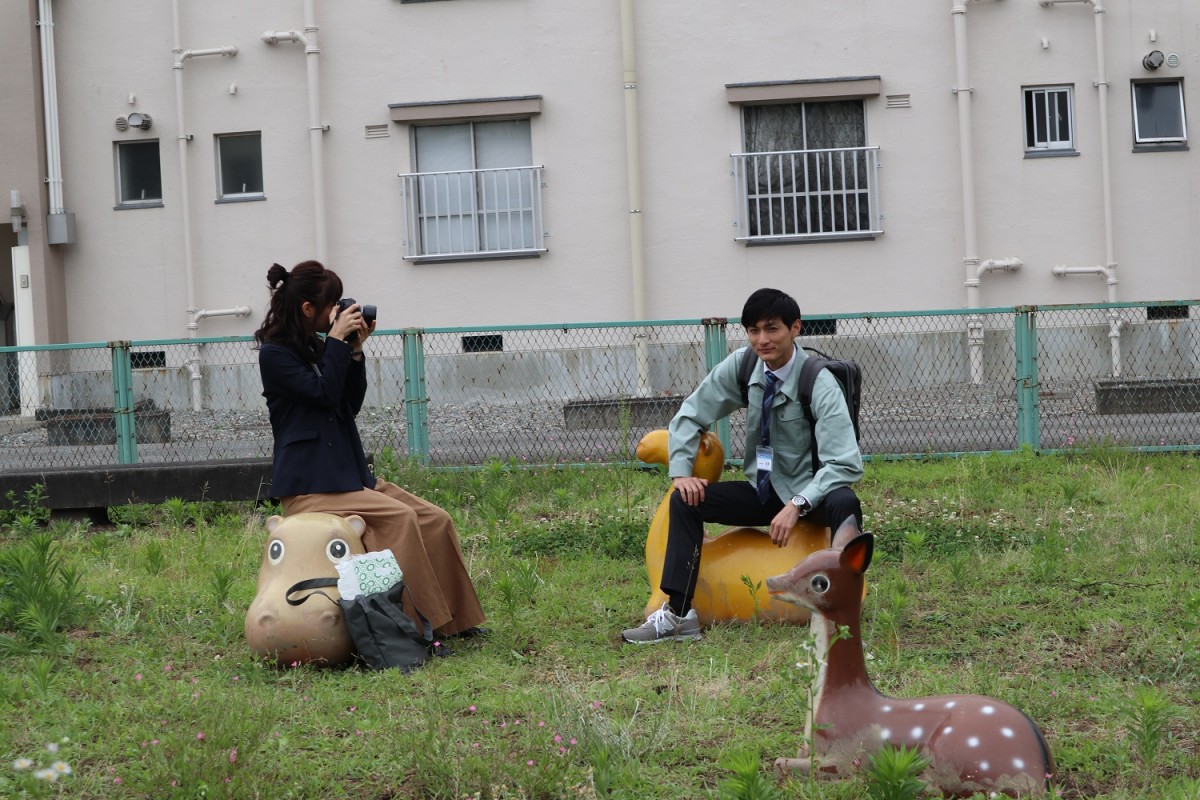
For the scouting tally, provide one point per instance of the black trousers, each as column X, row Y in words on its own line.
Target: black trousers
column 732, row 503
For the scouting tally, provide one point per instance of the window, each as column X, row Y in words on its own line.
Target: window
column 1158, row 114
column 807, row 172
column 475, row 192
column 1049, row 121
column 239, row 166
column 139, row 179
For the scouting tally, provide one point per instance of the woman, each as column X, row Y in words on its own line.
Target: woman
column 314, row 390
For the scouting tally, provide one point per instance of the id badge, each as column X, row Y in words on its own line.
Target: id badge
column 764, row 458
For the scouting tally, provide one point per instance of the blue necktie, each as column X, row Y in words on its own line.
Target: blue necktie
column 764, row 432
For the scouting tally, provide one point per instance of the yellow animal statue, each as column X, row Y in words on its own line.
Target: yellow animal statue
column 298, row 548
column 721, row 594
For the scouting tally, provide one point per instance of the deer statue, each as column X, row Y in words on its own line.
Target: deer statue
column 972, row 743
column 721, row 594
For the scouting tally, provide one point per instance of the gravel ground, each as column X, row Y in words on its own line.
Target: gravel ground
column 944, row 418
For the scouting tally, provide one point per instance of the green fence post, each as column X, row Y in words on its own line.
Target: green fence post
column 716, row 347
column 416, row 402
column 123, row 421
column 1029, row 430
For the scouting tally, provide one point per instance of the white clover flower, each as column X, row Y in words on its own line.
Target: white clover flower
column 22, row 763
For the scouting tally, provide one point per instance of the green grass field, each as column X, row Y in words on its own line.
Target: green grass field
column 1066, row 585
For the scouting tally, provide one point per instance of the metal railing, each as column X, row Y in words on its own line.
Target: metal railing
column 473, row 212
column 807, row 194
column 935, row 382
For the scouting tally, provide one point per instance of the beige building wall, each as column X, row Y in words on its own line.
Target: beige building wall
column 125, row 275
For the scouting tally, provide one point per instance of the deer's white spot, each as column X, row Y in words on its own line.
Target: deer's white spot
column 988, row 710
column 973, row 741
column 983, row 765
column 951, row 703
column 946, row 731
column 916, row 732
column 918, row 706
column 1007, row 732
column 1019, row 763
column 885, row 734
column 886, row 709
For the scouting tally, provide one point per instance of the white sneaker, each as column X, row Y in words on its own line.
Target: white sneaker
column 665, row 625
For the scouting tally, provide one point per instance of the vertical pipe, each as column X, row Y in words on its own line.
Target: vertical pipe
column 633, row 171
column 416, row 403
column 962, row 91
column 1110, row 258
column 185, row 209
column 716, row 347
column 316, row 130
column 123, row 423
column 50, row 107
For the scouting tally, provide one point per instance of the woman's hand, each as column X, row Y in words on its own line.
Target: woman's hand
column 348, row 323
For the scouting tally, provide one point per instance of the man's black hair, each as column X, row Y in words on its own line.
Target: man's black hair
column 769, row 304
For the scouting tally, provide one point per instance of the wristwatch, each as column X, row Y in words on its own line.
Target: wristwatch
column 802, row 505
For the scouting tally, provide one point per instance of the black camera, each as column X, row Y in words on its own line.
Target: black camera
column 368, row 312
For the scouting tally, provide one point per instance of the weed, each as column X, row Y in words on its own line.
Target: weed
column 748, row 781
column 1147, row 717
column 25, row 513
column 155, row 557
column 892, row 774
column 177, row 511
column 221, row 580
column 752, row 587
column 38, row 591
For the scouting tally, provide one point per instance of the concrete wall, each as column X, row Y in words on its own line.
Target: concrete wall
column 125, row 277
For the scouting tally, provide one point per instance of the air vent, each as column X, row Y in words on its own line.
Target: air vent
column 1166, row 312
column 377, row 132
column 485, row 343
column 122, row 123
column 899, row 101
column 1172, row 60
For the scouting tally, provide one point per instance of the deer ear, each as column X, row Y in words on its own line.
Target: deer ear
column 857, row 554
column 845, row 533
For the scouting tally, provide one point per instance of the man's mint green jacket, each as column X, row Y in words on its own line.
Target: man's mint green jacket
column 718, row 395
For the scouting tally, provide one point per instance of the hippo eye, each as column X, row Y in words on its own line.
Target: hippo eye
column 275, row 551
column 337, row 550
column 819, row 583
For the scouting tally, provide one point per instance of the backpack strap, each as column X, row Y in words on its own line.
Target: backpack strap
column 808, row 378
column 745, row 370
column 311, row 583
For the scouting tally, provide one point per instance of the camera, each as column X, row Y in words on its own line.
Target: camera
column 368, row 312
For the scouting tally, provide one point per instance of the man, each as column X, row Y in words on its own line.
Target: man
column 780, row 485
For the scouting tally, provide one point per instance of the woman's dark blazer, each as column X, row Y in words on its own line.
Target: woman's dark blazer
column 312, row 410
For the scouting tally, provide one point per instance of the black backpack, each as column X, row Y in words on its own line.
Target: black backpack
column 849, row 378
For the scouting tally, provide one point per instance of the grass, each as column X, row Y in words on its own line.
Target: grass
column 1066, row 585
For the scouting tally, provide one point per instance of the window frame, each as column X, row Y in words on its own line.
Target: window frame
column 120, row 150
column 1141, row 143
column 236, row 197
column 1039, row 95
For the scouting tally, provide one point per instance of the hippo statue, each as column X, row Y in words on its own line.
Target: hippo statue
column 298, row 548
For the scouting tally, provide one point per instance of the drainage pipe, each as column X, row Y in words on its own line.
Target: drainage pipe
column 316, row 129
column 633, row 170
column 236, row 311
column 183, row 138
column 975, row 269
column 54, row 181
column 1109, row 268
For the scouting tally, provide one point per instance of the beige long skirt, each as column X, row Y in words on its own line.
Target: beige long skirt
column 421, row 536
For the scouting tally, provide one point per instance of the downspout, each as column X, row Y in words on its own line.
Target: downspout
column 1109, row 269
column 633, row 169
column 54, row 181
column 183, row 138
column 316, row 129
column 975, row 270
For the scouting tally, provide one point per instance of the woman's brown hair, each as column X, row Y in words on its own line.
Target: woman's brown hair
column 285, row 324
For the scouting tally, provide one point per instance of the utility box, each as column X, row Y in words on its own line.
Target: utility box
column 60, row 228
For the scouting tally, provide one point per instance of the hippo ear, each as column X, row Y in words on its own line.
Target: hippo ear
column 273, row 523
column 356, row 523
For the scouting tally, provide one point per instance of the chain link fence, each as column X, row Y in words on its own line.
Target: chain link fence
column 935, row 382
